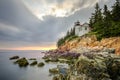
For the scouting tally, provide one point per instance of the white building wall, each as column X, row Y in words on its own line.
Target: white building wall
column 77, row 30
column 81, row 30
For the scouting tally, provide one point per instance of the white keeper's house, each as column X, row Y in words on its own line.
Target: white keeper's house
column 80, row 30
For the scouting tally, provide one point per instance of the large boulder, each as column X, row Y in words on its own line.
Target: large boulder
column 22, row 62
column 113, row 67
column 94, row 68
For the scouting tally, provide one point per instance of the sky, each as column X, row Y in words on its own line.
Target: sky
column 38, row 24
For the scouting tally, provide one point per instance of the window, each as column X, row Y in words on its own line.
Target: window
column 85, row 28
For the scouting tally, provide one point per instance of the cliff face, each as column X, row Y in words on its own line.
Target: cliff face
column 90, row 42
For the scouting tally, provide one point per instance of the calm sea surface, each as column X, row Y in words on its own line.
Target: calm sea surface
column 10, row 71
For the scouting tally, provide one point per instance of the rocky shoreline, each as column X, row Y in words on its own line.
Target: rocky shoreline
column 83, row 63
column 89, row 64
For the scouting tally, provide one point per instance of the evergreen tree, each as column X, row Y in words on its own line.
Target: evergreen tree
column 115, row 29
column 104, row 25
column 106, row 22
column 91, row 21
column 116, row 11
column 98, row 22
column 68, row 33
column 106, row 13
column 98, row 14
column 73, row 31
column 69, row 36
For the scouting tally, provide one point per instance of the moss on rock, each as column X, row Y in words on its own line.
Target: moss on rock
column 22, row 62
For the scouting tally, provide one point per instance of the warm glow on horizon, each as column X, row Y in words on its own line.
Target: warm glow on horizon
column 32, row 48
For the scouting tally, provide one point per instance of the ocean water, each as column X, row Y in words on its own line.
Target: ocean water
column 10, row 71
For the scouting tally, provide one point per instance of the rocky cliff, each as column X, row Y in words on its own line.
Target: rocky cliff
column 91, row 43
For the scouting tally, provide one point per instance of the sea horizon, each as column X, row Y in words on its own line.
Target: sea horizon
column 23, row 50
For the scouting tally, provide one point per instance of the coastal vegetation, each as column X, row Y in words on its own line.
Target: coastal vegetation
column 68, row 37
column 105, row 23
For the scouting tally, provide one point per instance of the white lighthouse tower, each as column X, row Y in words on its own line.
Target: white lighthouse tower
column 81, row 30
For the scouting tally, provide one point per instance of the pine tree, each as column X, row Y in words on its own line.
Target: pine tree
column 98, row 14
column 94, row 16
column 91, row 21
column 116, row 11
column 116, row 19
column 98, row 20
column 106, row 13
column 106, row 22
column 73, row 30
column 68, row 33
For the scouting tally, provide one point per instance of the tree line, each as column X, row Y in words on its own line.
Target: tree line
column 69, row 35
column 106, row 23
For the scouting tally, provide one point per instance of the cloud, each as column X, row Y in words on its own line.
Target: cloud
column 19, row 26
column 58, row 8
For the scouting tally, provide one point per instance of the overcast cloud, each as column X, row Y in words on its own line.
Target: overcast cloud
column 25, row 23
